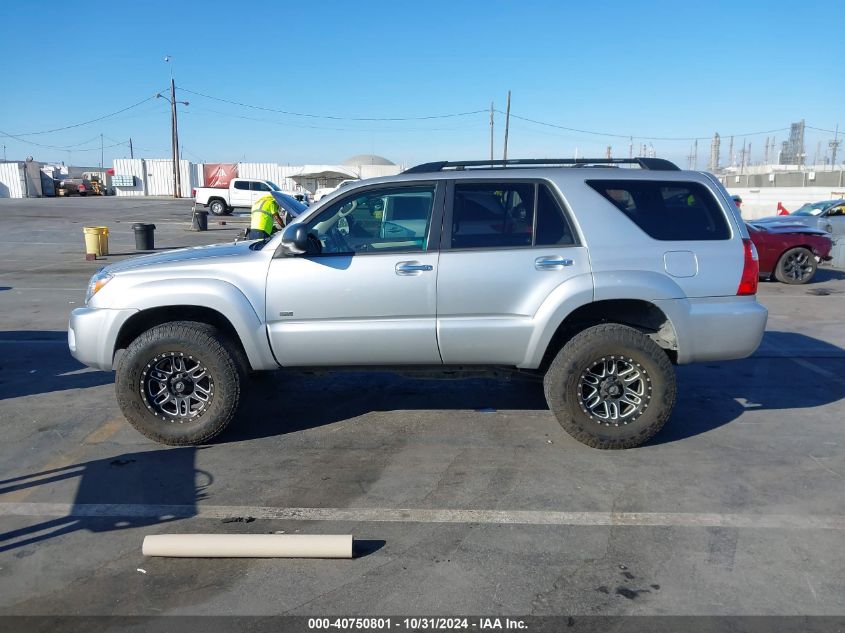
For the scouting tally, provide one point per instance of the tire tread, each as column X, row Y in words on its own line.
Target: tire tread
column 561, row 370
column 205, row 337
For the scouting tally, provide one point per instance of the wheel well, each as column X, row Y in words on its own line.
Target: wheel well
column 217, row 198
column 139, row 323
column 786, row 250
column 636, row 313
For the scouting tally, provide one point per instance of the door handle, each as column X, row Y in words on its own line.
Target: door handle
column 412, row 268
column 552, row 263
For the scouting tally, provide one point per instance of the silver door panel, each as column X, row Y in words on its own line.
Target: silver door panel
column 353, row 310
column 487, row 300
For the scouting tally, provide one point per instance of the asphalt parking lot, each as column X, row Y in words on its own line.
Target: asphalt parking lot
column 466, row 496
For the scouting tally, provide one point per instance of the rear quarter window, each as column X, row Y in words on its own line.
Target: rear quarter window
column 667, row 210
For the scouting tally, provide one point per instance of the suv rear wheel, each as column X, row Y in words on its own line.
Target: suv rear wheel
column 218, row 207
column 611, row 387
column 179, row 383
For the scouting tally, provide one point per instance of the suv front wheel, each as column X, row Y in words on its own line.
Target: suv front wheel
column 179, row 383
column 611, row 387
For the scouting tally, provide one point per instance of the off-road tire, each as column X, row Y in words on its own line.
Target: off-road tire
column 783, row 275
column 563, row 385
column 218, row 207
column 189, row 339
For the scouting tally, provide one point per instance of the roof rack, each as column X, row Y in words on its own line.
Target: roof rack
column 655, row 164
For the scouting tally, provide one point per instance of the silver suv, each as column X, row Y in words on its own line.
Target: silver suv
column 594, row 275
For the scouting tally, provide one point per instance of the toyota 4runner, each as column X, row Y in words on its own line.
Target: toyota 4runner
column 594, row 275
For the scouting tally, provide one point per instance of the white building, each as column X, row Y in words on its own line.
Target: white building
column 154, row 176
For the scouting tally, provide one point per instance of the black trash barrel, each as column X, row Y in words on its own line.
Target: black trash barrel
column 200, row 221
column 144, row 236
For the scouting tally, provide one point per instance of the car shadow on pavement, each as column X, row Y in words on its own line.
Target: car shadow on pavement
column 36, row 362
column 710, row 395
column 304, row 401
column 824, row 274
column 115, row 493
column 158, row 249
column 789, row 371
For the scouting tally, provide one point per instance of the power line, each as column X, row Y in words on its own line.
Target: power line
column 637, row 136
column 204, row 110
column 68, row 127
column 58, row 147
column 333, row 118
column 821, row 129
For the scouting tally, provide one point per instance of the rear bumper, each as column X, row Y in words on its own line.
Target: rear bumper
column 92, row 333
column 716, row 328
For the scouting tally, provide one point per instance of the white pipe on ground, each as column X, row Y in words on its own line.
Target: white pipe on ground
column 248, row 545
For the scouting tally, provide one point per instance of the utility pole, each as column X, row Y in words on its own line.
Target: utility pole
column 131, row 150
column 491, row 131
column 507, row 125
column 731, row 152
column 630, row 147
column 101, row 151
column 695, row 155
column 174, row 128
column 833, row 145
column 608, row 153
column 175, row 140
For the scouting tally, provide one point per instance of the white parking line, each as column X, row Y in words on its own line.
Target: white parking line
column 422, row 515
column 821, row 371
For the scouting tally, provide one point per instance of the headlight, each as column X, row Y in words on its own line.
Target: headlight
column 97, row 282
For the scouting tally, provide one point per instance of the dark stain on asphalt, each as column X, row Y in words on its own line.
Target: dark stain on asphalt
column 630, row 594
column 238, row 520
column 603, row 589
column 628, row 575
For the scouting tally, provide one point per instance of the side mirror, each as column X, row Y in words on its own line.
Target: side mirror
column 295, row 238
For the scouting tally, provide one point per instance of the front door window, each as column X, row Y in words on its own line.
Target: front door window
column 395, row 219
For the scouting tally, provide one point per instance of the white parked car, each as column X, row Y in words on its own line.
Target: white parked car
column 322, row 192
column 242, row 192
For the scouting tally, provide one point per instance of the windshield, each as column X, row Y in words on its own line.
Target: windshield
column 814, row 208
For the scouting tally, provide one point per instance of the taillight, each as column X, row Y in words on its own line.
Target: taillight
column 750, row 270
column 193, row 193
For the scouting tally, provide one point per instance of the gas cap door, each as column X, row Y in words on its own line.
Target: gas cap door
column 680, row 263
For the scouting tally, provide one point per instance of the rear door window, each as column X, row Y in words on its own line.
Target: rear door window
column 256, row 185
column 667, row 210
column 242, row 184
column 552, row 227
column 507, row 215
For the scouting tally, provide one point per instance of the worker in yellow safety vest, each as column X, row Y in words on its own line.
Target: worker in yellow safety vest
column 264, row 212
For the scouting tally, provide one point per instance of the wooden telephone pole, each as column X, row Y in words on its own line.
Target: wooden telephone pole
column 507, row 125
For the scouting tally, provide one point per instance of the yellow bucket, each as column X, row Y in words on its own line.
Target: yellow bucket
column 96, row 239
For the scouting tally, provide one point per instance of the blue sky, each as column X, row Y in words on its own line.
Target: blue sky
column 663, row 69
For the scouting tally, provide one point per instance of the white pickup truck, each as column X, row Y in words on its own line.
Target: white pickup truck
column 242, row 192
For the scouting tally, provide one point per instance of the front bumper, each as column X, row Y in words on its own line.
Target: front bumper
column 92, row 333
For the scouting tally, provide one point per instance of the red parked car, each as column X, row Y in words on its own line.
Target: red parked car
column 789, row 253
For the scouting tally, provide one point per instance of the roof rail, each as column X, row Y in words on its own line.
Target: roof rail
column 655, row 164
